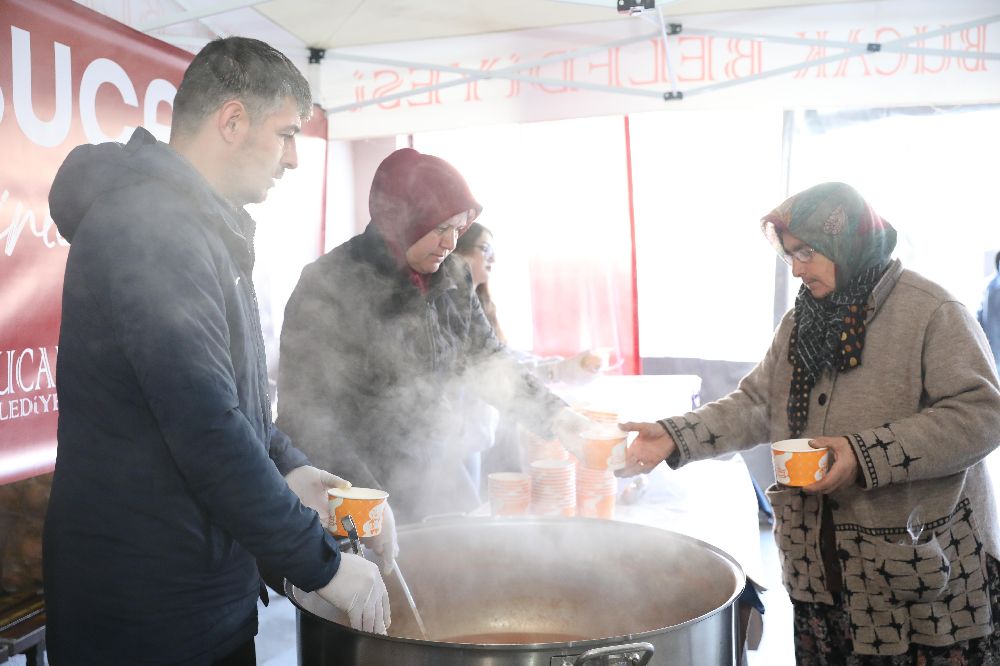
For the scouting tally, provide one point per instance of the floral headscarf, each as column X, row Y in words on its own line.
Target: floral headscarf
column 829, row 333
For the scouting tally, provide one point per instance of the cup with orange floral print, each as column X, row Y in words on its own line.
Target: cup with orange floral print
column 364, row 505
column 798, row 464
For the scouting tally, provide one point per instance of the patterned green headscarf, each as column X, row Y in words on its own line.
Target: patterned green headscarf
column 829, row 333
column 834, row 220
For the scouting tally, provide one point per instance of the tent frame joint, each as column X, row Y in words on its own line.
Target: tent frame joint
column 316, row 55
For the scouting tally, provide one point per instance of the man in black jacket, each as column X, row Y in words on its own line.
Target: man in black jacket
column 171, row 480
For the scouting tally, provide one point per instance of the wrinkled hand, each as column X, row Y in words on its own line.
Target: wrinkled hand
column 843, row 468
column 311, row 484
column 650, row 448
column 569, row 427
column 358, row 590
column 384, row 544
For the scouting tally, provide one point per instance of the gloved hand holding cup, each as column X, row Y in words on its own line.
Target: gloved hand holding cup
column 311, row 484
column 384, row 545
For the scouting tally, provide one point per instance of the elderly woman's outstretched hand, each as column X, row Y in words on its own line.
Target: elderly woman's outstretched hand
column 843, row 467
column 650, row 448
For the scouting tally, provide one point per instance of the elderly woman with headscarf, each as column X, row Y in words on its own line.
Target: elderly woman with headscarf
column 891, row 558
column 384, row 340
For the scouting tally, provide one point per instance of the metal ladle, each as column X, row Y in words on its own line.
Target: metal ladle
column 409, row 600
column 352, row 534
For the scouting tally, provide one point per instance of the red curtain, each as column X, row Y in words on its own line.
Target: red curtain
column 584, row 282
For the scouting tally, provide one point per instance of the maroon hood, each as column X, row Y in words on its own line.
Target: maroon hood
column 411, row 194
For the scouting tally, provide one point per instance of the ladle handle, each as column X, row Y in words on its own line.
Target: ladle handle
column 409, row 600
column 352, row 534
column 630, row 654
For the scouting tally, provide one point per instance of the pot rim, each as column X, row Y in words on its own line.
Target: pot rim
column 741, row 581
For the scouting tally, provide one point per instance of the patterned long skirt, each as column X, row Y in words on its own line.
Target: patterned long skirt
column 823, row 638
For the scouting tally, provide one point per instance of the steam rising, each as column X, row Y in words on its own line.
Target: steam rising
column 378, row 384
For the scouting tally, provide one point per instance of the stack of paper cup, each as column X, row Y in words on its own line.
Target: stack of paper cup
column 509, row 493
column 595, row 492
column 553, row 488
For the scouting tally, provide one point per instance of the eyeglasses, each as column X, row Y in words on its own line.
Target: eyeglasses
column 487, row 249
column 804, row 254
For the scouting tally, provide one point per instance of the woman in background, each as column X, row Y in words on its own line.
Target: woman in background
column 476, row 248
column 482, row 427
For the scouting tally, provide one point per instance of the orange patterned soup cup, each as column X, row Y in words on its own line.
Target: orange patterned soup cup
column 363, row 505
column 798, row 464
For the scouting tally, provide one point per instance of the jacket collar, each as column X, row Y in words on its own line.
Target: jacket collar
column 883, row 288
column 235, row 225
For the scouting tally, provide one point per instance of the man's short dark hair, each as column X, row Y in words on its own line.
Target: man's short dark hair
column 996, row 262
column 241, row 68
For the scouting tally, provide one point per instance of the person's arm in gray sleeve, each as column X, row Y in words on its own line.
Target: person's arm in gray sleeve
column 318, row 383
column 738, row 420
column 962, row 408
column 497, row 378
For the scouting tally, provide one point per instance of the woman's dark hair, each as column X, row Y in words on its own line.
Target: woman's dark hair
column 240, row 68
column 466, row 245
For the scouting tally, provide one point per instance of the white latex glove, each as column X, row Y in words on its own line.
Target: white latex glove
column 310, row 484
column 577, row 369
column 569, row 427
column 358, row 590
column 384, row 544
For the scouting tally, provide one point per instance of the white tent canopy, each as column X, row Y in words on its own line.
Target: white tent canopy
column 402, row 66
column 345, row 23
column 874, row 54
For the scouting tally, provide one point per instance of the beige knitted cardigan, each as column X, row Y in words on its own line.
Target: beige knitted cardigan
column 922, row 411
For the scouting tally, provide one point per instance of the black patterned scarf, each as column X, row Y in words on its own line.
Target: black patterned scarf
column 829, row 333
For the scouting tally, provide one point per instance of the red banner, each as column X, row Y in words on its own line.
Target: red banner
column 67, row 76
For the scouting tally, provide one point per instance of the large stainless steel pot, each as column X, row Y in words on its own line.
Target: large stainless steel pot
column 580, row 591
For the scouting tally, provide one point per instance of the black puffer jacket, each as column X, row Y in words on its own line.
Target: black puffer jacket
column 373, row 375
column 168, row 481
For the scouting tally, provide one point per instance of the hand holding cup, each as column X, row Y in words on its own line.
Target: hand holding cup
column 807, row 463
column 843, row 470
column 652, row 446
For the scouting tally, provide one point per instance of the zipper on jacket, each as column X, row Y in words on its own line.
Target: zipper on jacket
column 258, row 338
column 261, row 357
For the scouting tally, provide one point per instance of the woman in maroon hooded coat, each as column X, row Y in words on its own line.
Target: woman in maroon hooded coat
column 384, row 339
